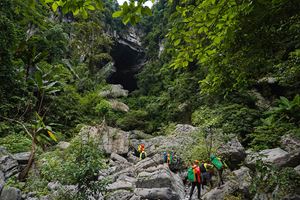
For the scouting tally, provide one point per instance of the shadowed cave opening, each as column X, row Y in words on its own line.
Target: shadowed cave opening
column 128, row 61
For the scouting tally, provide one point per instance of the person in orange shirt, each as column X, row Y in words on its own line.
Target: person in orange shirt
column 197, row 180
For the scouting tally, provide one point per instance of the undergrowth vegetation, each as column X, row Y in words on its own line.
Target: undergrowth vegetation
column 78, row 165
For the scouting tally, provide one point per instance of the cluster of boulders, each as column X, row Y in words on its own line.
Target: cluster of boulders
column 235, row 155
column 112, row 93
column 287, row 156
column 11, row 165
column 133, row 179
column 148, row 179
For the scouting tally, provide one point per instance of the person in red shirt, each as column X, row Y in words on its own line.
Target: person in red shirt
column 197, row 180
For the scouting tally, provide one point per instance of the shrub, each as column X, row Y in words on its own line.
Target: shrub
column 167, row 129
column 134, row 119
column 233, row 119
column 279, row 182
column 103, row 108
column 77, row 164
column 279, row 120
column 205, row 142
column 269, row 133
column 16, row 143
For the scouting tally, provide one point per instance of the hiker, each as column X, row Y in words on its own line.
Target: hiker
column 143, row 155
column 165, row 157
column 194, row 176
column 134, row 150
column 141, row 148
column 169, row 158
column 206, row 175
column 218, row 164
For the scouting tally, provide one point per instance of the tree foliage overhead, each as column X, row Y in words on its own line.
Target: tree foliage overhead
column 220, row 36
column 52, row 61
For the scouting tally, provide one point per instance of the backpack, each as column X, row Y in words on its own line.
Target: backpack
column 165, row 158
column 170, row 158
column 202, row 168
column 191, row 175
column 217, row 163
column 143, row 155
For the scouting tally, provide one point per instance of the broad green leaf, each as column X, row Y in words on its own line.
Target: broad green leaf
column 177, row 42
column 126, row 19
column 117, row 14
column 38, row 79
column 84, row 13
column 90, row 7
column 76, row 12
column 49, row 1
column 49, row 128
column 185, row 63
column 54, row 6
column 60, row 3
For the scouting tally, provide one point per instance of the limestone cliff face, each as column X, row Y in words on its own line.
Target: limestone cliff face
column 129, row 57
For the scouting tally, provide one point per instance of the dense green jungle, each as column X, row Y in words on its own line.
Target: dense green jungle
column 79, row 76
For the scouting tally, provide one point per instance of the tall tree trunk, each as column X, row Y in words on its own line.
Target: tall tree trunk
column 24, row 173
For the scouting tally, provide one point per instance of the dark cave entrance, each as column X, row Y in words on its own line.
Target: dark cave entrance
column 128, row 61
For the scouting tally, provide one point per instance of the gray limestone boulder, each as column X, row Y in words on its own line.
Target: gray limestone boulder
column 161, row 178
column 244, row 179
column 233, row 152
column 118, row 106
column 148, row 162
column 136, row 134
column 2, row 181
column 10, row 193
column 8, row 165
column 220, row 192
column 297, row 169
column 181, row 137
column 54, row 186
column 22, row 158
column 120, row 185
column 132, row 158
column 291, row 144
column 276, row 157
column 63, row 145
column 118, row 158
column 239, row 181
column 111, row 140
column 129, row 172
column 120, row 195
column 119, row 166
column 114, row 91
column 262, row 196
column 185, row 129
column 157, row 193
column 135, row 197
